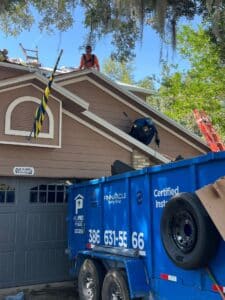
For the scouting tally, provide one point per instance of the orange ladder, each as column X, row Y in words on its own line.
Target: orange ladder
column 211, row 136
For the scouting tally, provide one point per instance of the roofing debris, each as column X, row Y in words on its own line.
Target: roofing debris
column 33, row 64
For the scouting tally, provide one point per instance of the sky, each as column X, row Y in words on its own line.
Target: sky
column 146, row 63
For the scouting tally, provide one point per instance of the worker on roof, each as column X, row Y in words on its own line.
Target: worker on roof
column 89, row 60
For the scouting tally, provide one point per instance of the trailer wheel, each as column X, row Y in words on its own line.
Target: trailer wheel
column 90, row 280
column 115, row 286
column 187, row 232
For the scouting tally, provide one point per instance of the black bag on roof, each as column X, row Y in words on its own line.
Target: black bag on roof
column 144, row 130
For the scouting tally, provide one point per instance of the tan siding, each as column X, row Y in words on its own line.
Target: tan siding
column 24, row 115
column 84, row 154
column 21, row 120
column 104, row 105
column 6, row 73
column 110, row 109
column 172, row 146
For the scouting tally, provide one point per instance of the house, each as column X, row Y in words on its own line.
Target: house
column 85, row 130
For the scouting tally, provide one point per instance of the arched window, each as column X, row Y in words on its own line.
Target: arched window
column 18, row 106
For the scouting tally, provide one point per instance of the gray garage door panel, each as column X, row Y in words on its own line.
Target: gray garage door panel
column 42, row 228
column 7, row 232
column 7, row 261
column 33, row 235
column 43, row 264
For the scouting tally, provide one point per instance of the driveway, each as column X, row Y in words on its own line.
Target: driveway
column 59, row 291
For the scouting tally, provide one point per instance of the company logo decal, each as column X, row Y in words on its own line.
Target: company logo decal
column 115, row 198
column 79, row 203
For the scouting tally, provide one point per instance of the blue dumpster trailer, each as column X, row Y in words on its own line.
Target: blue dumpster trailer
column 145, row 234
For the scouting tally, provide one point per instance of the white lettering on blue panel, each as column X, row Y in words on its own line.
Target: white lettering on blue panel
column 164, row 193
column 115, row 198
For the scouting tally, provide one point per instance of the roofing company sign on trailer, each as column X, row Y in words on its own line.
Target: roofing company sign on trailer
column 148, row 234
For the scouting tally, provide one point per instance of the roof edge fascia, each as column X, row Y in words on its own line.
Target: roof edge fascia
column 64, row 92
column 17, row 67
column 135, row 88
column 79, row 101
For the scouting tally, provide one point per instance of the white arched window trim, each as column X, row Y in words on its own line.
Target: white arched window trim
column 9, row 131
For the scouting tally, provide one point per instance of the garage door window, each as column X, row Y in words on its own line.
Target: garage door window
column 51, row 193
column 7, row 194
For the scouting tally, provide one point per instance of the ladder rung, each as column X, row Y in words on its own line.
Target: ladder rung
column 212, row 138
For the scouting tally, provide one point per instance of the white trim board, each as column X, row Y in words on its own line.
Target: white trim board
column 16, row 66
column 29, row 144
column 58, row 145
column 16, row 80
column 64, row 92
column 12, row 106
column 72, row 97
column 95, row 129
column 27, row 85
column 135, row 88
column 142, row 147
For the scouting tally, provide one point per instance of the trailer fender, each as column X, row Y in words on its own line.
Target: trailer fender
column 136, row 272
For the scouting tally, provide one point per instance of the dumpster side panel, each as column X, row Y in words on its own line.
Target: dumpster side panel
column 210, row 171
column 116, row 213
column 77, row 219
column 141, row 218
column 168, row 290
column 165, row 185
column 94, row 214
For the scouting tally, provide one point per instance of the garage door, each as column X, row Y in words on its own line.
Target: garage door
column 32, row 232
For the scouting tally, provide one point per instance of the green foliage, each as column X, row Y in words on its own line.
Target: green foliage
column 124, row 72
column 147, row 82
column 119, row 71
column 55, row 14
column 122, row 19
column 17, row 15
column 202, row 87
column 154, row 100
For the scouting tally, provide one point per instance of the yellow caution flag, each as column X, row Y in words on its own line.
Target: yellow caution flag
column 40, row 112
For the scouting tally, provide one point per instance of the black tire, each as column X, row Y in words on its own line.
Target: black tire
column 90, row 280
column 115, row 285
column 187, row 232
